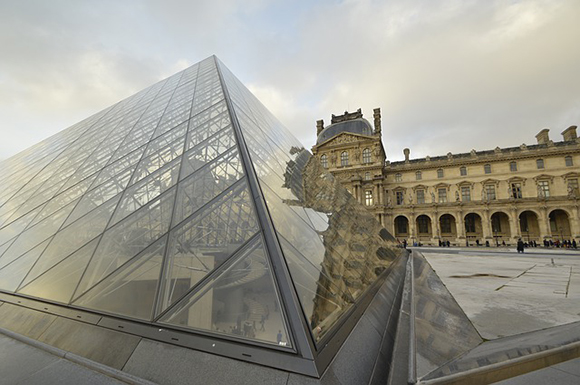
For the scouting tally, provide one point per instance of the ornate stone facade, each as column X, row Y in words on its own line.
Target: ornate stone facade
column 496, row 196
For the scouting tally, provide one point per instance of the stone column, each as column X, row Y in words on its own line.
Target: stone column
column 486, row 225
column 412, row 227
column 544, row 223
column 460, row 225
column 515, row 225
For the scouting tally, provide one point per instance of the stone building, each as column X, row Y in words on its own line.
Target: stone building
column 496, row 196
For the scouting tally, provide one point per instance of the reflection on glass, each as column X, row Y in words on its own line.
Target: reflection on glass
column 131, row 289
column 207, row 239
column 241, row 301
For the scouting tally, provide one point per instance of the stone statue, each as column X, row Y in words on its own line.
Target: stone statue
column 540, row 192
column 357, row 154
column 333, row 159
column 388, row 200
column 571, row 192
column 456, row 196
column 410, row 198
column 432, row 197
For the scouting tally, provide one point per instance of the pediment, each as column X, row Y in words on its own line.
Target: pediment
column 344, row 138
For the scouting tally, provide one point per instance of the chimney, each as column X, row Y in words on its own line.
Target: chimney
column 319, row 126
column 406, row 151
column 543, row 137
column 377, row 116
column 569, row 134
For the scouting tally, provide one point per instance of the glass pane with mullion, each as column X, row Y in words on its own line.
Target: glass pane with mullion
column 147, row 189
column 36, row 234
column 241, row 301
column 73, row 237
column 14, row 228
column 132, row 288
column 206, row 151
column 205, row 240
column 100, row 194
column 158, row 159
column 59, row 282
column 204, row 128
column 206, row 183
column 128, row 238
column 11, row 275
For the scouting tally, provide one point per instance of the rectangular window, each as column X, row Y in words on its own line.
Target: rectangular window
column 442, row 195
column 487, row 168
column 463, row 171
column 440, row 173
column 418, row 175
column 569, row 161
column 400, row 197
column 420, row 196
column 543, row 189
column 368, row 197
column 516, row 190
column 398, row 177
column 540, row 163
column 513, row 166
column 465, row 194
column 367, row 176
column 490, row 192
column 423, row 224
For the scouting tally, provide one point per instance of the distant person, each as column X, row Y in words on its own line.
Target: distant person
column 574, row 243
column 404, row 243
column 520, row 246
column 279, row 337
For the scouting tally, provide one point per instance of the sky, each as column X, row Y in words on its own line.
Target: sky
column 448, row 75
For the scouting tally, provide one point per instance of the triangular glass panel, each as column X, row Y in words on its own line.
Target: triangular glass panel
column 241, row 300
column 128, row 238
column 16, row 227
column 132, row 288
column 59, row 282
column 207, row 239
column 11, row 275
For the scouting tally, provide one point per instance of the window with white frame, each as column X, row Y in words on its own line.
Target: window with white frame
column 368, row 197
column 324, row 161
column 366, row 155
column 543, row 189
column 490, row 192
column 400, row 197
column 420, row 196
column 367, row 175
column 344, row 158
column 465, row 194
column 442, row 195
column 398, row 177
column 516, row 190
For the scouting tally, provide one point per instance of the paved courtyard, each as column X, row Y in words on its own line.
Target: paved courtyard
column 506, row 293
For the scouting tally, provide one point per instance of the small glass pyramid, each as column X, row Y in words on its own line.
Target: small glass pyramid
column 188, row 205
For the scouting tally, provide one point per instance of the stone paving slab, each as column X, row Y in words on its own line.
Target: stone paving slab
column 505, row 293
column 23, row 364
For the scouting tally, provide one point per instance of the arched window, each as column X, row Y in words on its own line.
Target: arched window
column 440, row 173
column 569, row 161
column 487, row 168
column 398, row 177
column 368, row 197
column 513, row 166
column 344, row 158
column 367, row 155
column 540, row 163
column 324, row 161
column 418, row 175
column 463, row 171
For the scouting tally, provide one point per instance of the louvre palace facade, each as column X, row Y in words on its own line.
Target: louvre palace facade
column 496, row 196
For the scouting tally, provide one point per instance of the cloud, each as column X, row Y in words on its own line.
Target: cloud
column 449, row 75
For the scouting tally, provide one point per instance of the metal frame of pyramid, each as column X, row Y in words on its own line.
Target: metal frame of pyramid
column 187, row 213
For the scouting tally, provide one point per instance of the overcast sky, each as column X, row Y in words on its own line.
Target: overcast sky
column 448, row 75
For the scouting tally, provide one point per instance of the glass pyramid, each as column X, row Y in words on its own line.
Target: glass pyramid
column 188, row 205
